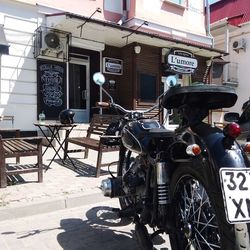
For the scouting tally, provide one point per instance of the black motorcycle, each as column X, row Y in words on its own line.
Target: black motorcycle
column 192, row 183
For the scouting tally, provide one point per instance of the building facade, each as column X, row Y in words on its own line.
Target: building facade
column 56, row 46
column 230, row 27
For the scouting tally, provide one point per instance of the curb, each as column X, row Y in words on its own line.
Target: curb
column 19, row 211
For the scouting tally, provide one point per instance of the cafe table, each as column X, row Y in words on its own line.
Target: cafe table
column 54, row 128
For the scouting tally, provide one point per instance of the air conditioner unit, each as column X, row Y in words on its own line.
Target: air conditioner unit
column 50, row 43
column 239, row 44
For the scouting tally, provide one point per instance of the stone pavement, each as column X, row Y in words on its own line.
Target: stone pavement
column 86, row 227
column 69, row 229
column 67, row 211
column 62, row 187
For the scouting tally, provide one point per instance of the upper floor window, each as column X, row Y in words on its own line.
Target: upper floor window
column 233, row 72
column 179, row 2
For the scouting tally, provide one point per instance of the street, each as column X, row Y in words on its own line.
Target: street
column 92, row 226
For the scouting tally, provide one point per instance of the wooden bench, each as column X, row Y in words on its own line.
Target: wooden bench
column 94, row 139
column 11, row 132
column 20, row 147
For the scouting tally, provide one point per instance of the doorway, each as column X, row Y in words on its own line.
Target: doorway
column 79, row 98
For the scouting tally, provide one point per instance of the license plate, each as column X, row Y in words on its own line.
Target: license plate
column 235, row 185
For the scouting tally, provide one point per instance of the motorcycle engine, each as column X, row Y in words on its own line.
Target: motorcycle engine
column 130, row 184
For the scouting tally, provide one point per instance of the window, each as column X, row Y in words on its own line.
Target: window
column 233, row 72
column 179, row 2
column 147, row 87
column 217, row 73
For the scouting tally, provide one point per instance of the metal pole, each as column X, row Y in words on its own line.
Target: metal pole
column 67, row 83
column 0, row 75
column 100, row 89
column 226, row 67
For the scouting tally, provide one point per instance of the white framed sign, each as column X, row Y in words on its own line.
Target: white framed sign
column 112, row 66
column 180, row 61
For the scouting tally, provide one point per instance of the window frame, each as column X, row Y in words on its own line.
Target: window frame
column 140, row 100
column 180, row 3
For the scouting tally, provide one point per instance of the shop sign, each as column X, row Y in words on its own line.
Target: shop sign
column 180, row 61
column 112, row 66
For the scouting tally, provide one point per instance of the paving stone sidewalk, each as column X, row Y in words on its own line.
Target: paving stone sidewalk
column 63, row 186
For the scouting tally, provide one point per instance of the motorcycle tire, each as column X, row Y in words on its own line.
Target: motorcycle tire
column 198, row 212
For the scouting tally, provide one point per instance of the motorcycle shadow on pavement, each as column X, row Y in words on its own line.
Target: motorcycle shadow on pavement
column 103, row 229
column 81, row 168
column 99, row 231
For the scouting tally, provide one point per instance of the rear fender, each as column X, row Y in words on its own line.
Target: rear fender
column 217, row 149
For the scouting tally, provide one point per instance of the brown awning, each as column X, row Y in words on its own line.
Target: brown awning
column 115, row 35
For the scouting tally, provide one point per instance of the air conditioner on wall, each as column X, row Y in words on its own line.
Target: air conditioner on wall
column 50, row 43
column 239, row 44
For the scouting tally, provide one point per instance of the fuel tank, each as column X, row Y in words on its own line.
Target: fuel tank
column 136, row 135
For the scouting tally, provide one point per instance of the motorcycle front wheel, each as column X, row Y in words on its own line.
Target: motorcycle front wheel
column 198, row 213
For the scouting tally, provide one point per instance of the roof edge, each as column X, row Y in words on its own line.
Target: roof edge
column 152, row 35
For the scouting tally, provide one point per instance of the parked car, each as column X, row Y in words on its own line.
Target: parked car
column 243, row 120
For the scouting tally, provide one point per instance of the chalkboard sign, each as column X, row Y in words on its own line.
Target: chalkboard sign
column 51, row 88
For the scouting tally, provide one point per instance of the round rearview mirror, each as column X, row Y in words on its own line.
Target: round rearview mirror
column 171, row 81
column 99, row 78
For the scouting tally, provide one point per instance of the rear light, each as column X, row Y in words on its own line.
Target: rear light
column 246, row 147
column 193, row 150
column 232, row 130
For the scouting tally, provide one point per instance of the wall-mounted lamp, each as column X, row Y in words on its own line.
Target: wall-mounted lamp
column 137, row 49
column 112, row 84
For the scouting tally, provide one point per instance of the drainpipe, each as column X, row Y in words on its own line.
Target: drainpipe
column 124, row 17
column 226, row 67
column 100, row 89
column 206, row 2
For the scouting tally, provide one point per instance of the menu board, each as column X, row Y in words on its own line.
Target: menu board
column 51, row 88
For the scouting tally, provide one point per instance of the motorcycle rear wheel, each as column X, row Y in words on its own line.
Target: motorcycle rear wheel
column 198, row 212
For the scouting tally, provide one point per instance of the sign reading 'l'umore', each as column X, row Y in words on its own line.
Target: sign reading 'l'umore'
column 181, row 62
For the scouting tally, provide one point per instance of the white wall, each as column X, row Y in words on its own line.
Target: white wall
column 18, row 88
column 243, row 60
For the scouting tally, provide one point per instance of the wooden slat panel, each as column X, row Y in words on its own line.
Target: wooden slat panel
column 18, row 146
column 22, row 171
column 100, row 123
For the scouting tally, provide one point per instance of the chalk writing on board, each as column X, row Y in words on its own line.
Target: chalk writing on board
column 52, row 80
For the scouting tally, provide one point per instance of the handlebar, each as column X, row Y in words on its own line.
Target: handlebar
column 130, row 113
column 123, row 110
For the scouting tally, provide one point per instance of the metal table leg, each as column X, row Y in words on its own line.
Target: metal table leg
column 55, row 132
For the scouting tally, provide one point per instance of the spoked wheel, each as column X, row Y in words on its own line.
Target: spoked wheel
column 196, row 216
column 199, row 216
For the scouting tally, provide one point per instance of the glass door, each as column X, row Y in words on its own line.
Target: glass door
column 79, row 89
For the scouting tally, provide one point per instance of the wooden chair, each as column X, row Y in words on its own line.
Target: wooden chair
column 20, row 147
column 94, row 140
column 11, row 132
